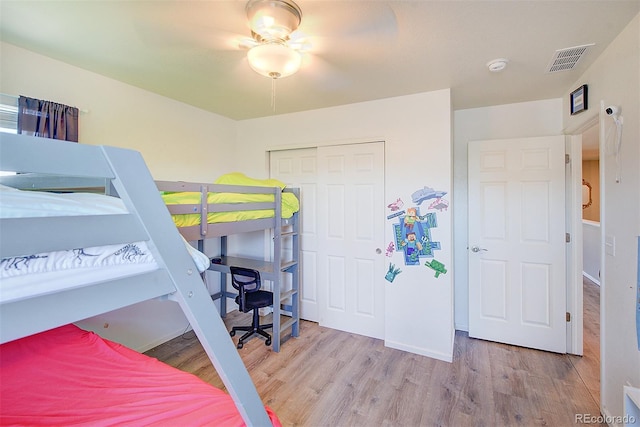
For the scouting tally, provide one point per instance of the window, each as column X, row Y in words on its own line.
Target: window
column 8, row 113
column 8, row 118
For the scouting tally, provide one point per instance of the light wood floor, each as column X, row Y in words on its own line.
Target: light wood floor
column 332, row 378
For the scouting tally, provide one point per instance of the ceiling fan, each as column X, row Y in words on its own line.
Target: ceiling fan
column 275, row 46
column 276, row 42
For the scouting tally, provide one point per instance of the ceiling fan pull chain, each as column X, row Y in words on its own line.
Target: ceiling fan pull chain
column 273, row 94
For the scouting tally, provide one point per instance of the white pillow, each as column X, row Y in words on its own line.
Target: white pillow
column 20, row 204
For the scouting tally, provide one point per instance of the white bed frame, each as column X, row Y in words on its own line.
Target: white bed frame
column 55, row 164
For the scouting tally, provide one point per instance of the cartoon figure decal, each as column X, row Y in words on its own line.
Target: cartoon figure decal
column 439, row 204
column 411, row 246
column 390, row 249
column 392, row 273
column 410, row 219
column 426, row 193
column 413, row 235
column 397, row 205
column 437, row 266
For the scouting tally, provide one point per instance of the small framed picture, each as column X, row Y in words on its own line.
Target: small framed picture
column 578, row 100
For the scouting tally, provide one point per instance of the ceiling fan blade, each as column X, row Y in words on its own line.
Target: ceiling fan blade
column 300, row 41
column 191, row 25
column 247, row 42
column 322, row 72
column 357, row 19
column 174, row 37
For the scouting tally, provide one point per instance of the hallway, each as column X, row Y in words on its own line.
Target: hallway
column 588, row 365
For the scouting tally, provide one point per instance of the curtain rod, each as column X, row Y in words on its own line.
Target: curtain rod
column 81, row 110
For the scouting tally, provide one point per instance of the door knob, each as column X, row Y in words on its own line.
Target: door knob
column 477, row 249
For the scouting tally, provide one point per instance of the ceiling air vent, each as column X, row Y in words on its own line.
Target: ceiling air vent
column 566, row 59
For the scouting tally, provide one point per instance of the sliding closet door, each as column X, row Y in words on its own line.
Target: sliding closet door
column 297, row 168
column 342, row 229
column 351, row 228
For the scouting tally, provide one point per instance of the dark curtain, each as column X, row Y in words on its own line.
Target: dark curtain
column 47, row 119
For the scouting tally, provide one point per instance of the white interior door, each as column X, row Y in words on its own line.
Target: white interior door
column 517, row 263
column 298, row 168
column 351, row 229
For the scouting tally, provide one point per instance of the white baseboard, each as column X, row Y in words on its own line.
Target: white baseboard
column 593, row 279
column 161, row 340
column 421, row 351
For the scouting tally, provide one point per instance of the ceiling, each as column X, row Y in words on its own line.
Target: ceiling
column 188, row 50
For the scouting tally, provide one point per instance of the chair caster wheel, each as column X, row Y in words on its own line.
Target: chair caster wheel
column 239, row 346
column 268, row 342
column 232, row 333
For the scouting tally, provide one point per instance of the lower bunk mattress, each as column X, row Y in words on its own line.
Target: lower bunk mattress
column 68, row 376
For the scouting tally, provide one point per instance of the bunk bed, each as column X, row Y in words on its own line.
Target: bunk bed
column 36, row 318
column 237, row 204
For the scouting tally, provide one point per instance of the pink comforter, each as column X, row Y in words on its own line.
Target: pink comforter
column 67, row 376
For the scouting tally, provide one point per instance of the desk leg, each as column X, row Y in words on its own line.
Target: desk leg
column 223, row 292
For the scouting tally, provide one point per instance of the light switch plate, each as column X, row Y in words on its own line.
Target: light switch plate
column 610, row 245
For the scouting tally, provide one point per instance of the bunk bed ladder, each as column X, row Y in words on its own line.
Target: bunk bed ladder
column 286, row 312
column 290, row 299
column 139, row 193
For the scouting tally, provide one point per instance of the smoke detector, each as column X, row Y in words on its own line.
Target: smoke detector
column 497, row 65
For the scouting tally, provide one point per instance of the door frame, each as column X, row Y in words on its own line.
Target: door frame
column 573, row 178
column 574, row 223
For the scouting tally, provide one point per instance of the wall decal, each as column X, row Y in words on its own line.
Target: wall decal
column 390, row 249
column 413, row 235
column 439, row 204
column 437, row 266
column 392, row 273
column 398, row 204
column 426, row 193
column 393, row 215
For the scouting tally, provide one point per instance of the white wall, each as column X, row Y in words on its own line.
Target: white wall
column 178, row 142
column 591, row 250
column 615, row 79
column 527, row 119
column 417, row 134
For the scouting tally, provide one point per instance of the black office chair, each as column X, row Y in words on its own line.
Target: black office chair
column 250, row 297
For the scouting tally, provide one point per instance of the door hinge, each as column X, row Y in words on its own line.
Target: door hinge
column 567, row 237
column 567, row 159
column 568, row 317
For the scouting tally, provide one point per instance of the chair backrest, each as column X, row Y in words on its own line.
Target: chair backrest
column 245, row 279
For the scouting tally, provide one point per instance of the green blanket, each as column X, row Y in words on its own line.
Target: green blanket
column 290, row 203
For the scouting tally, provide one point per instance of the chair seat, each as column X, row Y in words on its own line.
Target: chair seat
column 256, row 299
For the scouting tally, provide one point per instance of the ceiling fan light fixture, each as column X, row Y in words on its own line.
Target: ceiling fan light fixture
column 274, row 60
column 273, row 19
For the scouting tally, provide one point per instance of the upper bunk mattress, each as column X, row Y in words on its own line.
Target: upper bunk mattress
column 68, row 376
column 290, row 203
